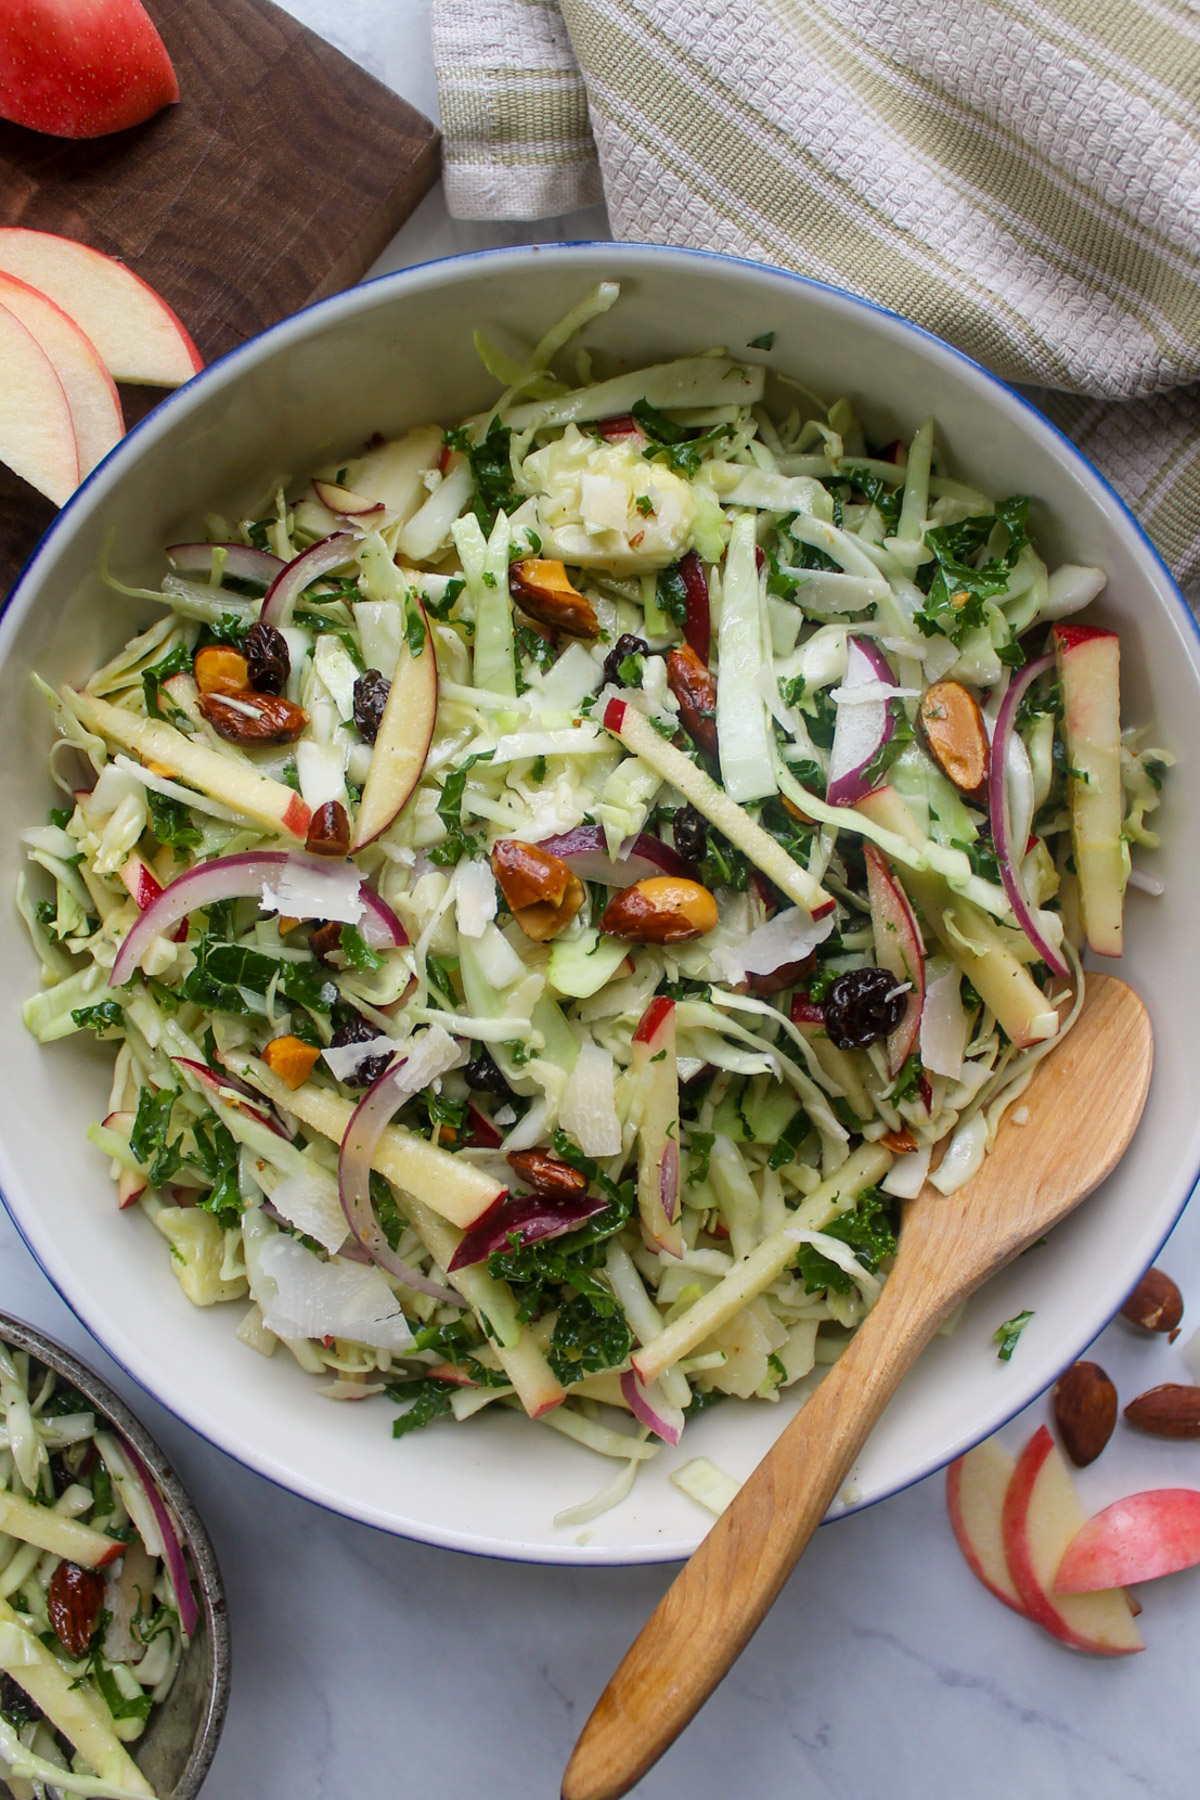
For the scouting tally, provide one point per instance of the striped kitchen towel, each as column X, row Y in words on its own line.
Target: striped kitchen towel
column 1020, row 176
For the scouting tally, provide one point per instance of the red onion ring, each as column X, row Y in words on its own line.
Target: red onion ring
column 585, row 852
column 242, row 561
column 189, row 1612
column 370, row 1119
column 647, row 1405
column 530, row 1218
column 240, row 878
column 319, row 559
column 697, row 629
column 1010, row 865
column 223, row 1084
column 847, row 778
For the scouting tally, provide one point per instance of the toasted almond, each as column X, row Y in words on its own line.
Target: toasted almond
column 1085, row 1411
column 1171, row 1411
column 1155, row 1304
column 73, row 1600
column 695, row 688
column 665, row 909
column 548, row 1174
column 955, row 734
column 542, row 588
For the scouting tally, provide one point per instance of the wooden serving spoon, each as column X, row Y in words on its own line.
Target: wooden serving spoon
column 1084, row 1105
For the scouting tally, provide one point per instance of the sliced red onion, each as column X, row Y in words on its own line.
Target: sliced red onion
column 647, row 1405
column 320, row 559
column 241, row 561
column 242, row 877
column 223, row 1084
column 585, row 853
column 697, row 629
column 1010, row 862
column 530, row 1218
column 430, row 1057
column 189, row 1612
column 863, row 726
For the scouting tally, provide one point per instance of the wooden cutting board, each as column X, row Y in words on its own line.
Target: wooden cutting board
column 278, row 179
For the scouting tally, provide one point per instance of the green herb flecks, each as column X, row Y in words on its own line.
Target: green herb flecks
column 1008, row 1335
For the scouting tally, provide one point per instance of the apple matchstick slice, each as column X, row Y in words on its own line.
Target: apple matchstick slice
column 1135, row 1539
column 975, row 1488
column 136, row 334
column 1042, row 1514
column 91, row 396
column 37, row 438
column 402, row 745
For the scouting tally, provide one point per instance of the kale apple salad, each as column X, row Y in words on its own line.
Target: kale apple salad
column 96, row 1602
column 554, row 886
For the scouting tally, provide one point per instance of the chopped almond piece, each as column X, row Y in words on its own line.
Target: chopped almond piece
column 541, row 587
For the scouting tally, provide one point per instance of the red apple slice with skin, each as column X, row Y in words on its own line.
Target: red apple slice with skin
column 91, row 396
column 37, row 436
column 975, row 1488
column 1089, row 669
column 402, row 745
column 657, row 1081
column 1135, row 1539
column 135, row 333
column 82, row 68
column 898, row 949
column 343, row 500
column 1042, row 1514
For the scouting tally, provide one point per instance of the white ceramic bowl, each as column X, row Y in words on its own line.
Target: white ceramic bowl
column 386, row 355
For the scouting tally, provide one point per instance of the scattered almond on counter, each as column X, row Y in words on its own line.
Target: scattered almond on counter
column 1085, row 1411
column 1155, row 1304
column 1171, row 1410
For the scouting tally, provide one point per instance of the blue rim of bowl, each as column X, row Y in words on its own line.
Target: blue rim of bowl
column 594, row 250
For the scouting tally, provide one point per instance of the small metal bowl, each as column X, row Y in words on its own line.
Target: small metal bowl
column 181, row 1736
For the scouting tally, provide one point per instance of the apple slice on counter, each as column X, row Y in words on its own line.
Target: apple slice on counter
column 82, row 68
column 134, row 331
column 1135, row 1539
column 656, row 1078
column 1042, row 1514
column 975, row 1488
column 37, row 435
column 405, row 733
column 91, row 396
column 898, row 949
column 1089, row 669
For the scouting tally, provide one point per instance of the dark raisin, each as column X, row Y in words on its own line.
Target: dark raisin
column 352, row 1028
column 691, row 834
column 267, row 658
column 862, row 1006
column 626, row 645
column 370, row 697
column 484, row 1077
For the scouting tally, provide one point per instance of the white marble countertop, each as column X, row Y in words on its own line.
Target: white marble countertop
column 368, row 1668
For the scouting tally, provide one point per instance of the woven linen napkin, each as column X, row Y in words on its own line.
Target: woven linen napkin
column 1020, row 176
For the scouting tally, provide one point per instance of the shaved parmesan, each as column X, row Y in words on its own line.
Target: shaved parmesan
column 316, row 890
column 310, row 1202
column 346, row 1059
column 474, row 897
column 589, row 1110
column 786, row 938
column 315, row 1299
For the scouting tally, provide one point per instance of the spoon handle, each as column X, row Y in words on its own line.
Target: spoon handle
column 719, row 1598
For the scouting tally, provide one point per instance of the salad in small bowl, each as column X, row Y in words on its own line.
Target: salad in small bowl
column 554, row 885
